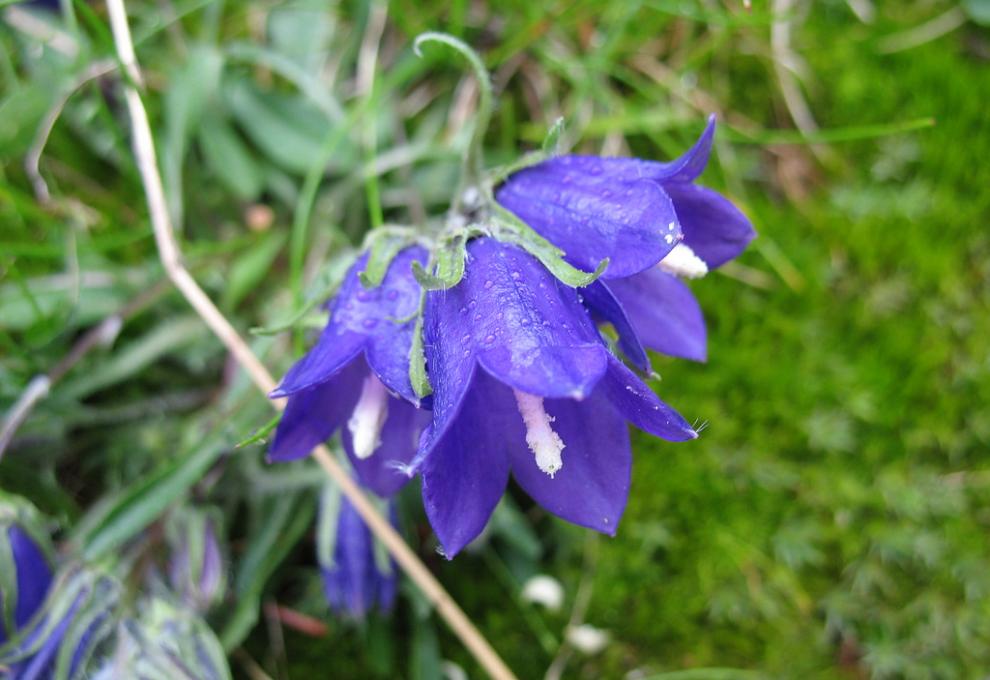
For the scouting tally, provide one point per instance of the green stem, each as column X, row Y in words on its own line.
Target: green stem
column 473, row 159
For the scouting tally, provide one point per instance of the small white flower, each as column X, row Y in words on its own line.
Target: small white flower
column 587, row 639
column 544, row 590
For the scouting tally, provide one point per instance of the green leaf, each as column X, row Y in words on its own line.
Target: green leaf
column 140, row 504
column 187, row 96
column 251, row 268
column 260, row 433
column 978, row 11
column 551, row 143
column 288, row 129
column 417, row 358
column 228, row 158
column 513, row 230
column 425, row 661
column 161, row 341
column 284, row 520
column 385, row 245
column 449, row 269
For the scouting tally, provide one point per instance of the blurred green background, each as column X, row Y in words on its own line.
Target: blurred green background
column 832, row 520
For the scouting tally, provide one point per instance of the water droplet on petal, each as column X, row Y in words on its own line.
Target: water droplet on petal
column 369, row 323
column 363, row 295
column 489, row 339
column 488, row 284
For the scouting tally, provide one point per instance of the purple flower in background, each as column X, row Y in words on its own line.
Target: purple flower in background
column 524, row 384
column 357, row 578
column 30, row 577
column 196, row 566
column 78, row 617
column 357, row 376
column 655, row 224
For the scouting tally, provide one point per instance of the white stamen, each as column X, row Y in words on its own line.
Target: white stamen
column 545, row 444
column 368, row 417
column 681, row 261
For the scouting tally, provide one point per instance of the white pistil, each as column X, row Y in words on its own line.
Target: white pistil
column 545, row 444
column 681, row 261
column 368, row 417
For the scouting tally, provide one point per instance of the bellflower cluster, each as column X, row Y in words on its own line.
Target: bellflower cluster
column 497, row 321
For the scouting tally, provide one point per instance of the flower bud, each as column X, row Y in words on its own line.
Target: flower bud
column 65, row 637
column 196, row 565
column 164, row 641
column 25, row 571
column 358, row 575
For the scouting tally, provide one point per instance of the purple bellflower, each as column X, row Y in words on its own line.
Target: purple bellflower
column 78, row 617
column 356, row 378
column 358, row 579
column 196, row 570
column 656, row 226
column 30, row 577
column 523, row 384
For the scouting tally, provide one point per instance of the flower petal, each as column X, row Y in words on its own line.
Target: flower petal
column 600, row 300
column 381, row 471
column 592, row 486
column 664, row 313
column 467, row 470
column 637, row 404
column 527, row 329
column 713, row 228
column 377, row 320
column 34, row 576
column 394, row 301
column 633, row 223
column 587, row 170
column 313, row 415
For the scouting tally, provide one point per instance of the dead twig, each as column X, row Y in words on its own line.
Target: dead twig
column 171, row 257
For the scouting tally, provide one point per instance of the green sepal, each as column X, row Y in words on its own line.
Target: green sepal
column 417, row 357
column 513, row 230
column 449, row 269
column 552, row 142
column 383, row 245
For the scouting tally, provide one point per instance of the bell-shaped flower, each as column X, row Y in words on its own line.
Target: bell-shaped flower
column 358, row 576
column 523, row 384
column 196, row 571
column 654, row 223
column 161, row 640
column 63, row 639
column 356, row 378
column 25, row 572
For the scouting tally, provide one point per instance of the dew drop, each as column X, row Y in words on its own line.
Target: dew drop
column 363, row 295
column 463, row 310
column 369, row 323
column 516, row 275
column 488, row 284
column 489, row 339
